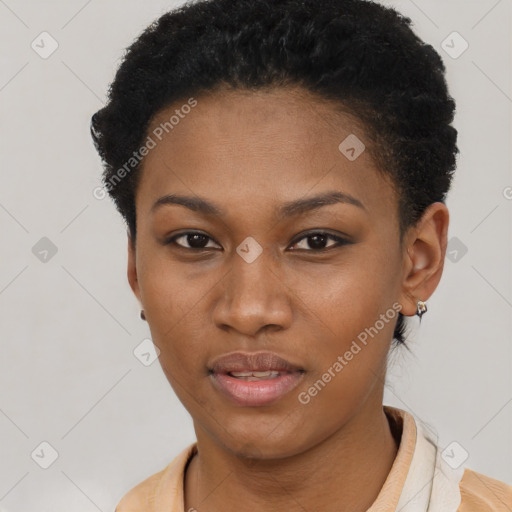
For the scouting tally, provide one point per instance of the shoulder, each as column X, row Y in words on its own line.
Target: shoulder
column 140, row 497
column 161, row 491
column 480, row 493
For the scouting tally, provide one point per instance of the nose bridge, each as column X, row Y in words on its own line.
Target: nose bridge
column 253, row 296
column 252, row 270
column 252, row 281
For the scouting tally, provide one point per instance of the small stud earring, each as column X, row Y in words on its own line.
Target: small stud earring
column 421, row 308
column 142, row 315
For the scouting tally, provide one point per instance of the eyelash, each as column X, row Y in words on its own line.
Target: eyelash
column 340, row 241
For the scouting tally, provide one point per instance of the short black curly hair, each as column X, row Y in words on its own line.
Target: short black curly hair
column 358, row 53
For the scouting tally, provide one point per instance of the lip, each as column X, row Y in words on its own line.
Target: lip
column 253, row 393
column 252, row 361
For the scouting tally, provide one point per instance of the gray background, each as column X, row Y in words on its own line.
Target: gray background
column 70, row 324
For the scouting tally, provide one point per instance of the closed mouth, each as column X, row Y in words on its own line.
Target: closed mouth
column 257, row 375
column 259, row 365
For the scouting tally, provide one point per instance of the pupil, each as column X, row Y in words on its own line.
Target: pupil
column 315, row 245
column 194, row 237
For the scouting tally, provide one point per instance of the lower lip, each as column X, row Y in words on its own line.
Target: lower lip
column 254, row 393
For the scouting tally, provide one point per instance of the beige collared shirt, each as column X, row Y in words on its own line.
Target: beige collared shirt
column 421, row 480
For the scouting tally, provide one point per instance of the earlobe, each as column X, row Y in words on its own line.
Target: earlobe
column 424, row 259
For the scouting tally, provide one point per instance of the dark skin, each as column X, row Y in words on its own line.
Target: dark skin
column 248, row 153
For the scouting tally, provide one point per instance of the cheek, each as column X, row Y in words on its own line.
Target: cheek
column 173, row 301
column 171, row 291
column 351, row 295
column 352, row 306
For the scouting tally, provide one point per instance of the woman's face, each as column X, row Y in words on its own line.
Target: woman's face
column 306, row 299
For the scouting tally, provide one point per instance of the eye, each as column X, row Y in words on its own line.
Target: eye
column 194, row 240
column 318, row 239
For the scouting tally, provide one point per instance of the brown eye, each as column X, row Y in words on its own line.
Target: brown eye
column 316, row 241
column 194, row 240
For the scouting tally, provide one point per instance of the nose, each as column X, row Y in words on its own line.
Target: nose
column 254, row 297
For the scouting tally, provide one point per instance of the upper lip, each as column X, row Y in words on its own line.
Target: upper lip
column 252, row 361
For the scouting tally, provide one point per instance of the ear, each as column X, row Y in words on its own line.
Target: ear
column 424, row 257
column 132, row 268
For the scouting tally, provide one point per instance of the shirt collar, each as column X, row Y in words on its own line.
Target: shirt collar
column 419, row 479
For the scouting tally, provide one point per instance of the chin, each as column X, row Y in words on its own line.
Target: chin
column 263, row 451
column 257, row 445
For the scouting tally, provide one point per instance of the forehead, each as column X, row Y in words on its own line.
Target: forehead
column 276, row 145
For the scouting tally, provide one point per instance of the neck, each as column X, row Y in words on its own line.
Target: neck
column 359, row 456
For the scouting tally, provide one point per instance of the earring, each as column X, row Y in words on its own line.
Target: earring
column 421, row 309
column 142, row 315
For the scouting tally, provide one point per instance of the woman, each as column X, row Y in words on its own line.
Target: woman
column 282, row 168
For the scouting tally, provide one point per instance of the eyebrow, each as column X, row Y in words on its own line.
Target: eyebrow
column 286, row 210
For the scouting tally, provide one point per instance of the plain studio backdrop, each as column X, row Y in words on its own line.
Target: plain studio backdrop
column 75, row 397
